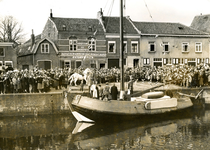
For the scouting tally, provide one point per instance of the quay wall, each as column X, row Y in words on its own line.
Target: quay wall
column 25, row 104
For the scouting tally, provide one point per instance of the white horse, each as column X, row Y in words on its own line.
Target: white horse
column 74, row 77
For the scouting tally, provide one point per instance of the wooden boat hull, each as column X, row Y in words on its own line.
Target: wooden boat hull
column 97, row 110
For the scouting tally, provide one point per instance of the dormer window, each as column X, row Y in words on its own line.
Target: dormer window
column 90, row 28
column 64, row 27
column 180, row 28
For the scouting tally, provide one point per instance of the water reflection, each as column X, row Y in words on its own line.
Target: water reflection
column 46, row 132
column 186, row 131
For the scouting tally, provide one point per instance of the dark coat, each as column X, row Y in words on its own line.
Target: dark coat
column 114, row 92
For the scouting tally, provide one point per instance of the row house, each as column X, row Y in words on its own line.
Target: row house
column 95, row 43
column 8, row 55
column 163, row 43
column 75, row 42
column 80, row 41
column 131, row 41
column 38, row 51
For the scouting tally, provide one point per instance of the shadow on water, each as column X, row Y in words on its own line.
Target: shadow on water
column 36, row 132
column 175, row 131
column 136, row 134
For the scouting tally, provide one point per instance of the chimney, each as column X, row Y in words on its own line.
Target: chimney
column 51, row 14
column 32, row 38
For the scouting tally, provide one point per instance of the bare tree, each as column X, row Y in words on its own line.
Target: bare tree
column 11, row 30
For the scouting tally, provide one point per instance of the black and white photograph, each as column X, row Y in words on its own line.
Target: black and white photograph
column 104, row 75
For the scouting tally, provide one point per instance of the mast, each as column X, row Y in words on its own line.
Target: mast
column 122, row 90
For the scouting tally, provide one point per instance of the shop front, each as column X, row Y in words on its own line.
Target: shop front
column 84, row 60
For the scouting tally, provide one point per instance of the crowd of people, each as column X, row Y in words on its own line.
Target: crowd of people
column 39, row 80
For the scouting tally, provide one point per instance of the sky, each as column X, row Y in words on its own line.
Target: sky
column 33, row 14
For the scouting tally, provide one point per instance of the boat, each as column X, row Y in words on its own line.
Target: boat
column 114, row 135
column 86, row 109
column 90, row 110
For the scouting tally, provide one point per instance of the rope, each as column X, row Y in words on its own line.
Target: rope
column 110, row 11
column 148, row 10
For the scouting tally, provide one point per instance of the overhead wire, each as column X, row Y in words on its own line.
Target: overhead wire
column 151, row 17
column 109, row 12
column 105, row 5
column 148, row 10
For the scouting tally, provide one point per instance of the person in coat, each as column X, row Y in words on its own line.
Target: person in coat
column 106, row 92
column 114, row 92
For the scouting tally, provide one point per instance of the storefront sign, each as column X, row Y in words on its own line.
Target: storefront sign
column 82, row 55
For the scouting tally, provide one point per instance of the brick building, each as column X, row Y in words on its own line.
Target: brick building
column 75, row 42
column 36, row 51
column 8, row 55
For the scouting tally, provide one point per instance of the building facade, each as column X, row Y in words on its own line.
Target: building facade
column 8, row 55
column 38, row 52
column 80, row 41
column 95, row 43
column 164, row 44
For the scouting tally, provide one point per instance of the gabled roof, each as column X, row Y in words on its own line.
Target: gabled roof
column 77, row 24
column 166, row 28
column 28, row 49
column 202, row 23
column 112, row 25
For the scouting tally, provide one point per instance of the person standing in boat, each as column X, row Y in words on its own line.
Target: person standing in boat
column 114, row 92
column 100, row 92
column 94, row 90
column 82, row 85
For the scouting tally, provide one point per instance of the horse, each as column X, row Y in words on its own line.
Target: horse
column 74, row 77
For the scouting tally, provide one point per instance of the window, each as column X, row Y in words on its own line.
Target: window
column 134, row 46
column 199, row 60
column 207, row 60
column 198, row 47
column 64, row 27
column 8, row 63
column 72, row 45
column 125, row 46
column 185, row 47
column 2, row 52
column 151, row 46
column 92, row 44
column 111, row 47
column 45, row 48
column 67, row 64
column 176, row 61
column 165, row 61
column 165, row 46
column 93, row 63
column 44, row 64
column 146, row 61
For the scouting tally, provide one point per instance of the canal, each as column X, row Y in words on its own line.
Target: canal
column 62, row 132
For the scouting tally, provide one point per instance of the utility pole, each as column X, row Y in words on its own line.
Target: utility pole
column 122, row 89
